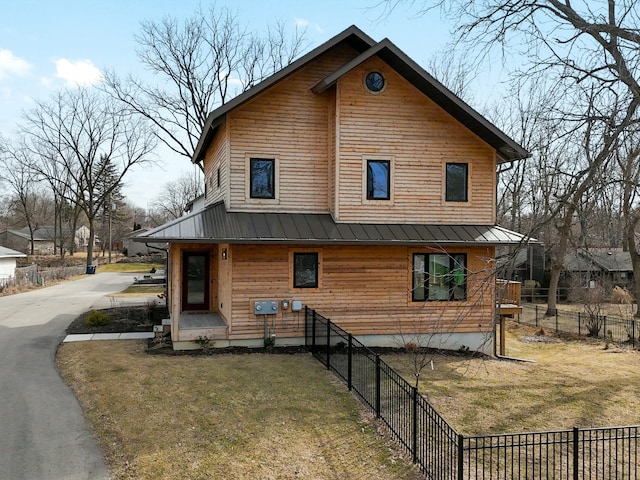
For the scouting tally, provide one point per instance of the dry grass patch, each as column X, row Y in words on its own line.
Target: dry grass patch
column 129, row 267
column 570, row 384
column 136, row 290
column 224, row 416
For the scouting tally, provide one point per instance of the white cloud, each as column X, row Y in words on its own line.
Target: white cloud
column 302, row 24
column 12, row 65
column 78, row 73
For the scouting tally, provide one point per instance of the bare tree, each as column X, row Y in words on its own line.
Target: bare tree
column 75, row 137
column 590, row 50
column 25, row 199
column 200, row 63
column 175, row 196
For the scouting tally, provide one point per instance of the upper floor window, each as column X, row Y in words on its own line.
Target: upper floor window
column 457, row 182
column 439, row 276
column 305, row 270
column 374, row 82
column 262, row 174
column 378, row 179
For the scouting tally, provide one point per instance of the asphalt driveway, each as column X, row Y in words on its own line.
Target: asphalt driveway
column 43, row 434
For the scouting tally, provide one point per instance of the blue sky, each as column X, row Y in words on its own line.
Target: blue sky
column 46, row 45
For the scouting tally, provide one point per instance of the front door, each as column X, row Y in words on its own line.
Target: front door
column 195, row 281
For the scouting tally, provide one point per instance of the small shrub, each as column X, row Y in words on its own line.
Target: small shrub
column 412, row 347
column 270, row 343
column 204, row 342
column 97, row 319
column 620, row 296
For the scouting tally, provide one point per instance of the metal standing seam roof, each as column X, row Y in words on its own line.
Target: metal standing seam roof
column 215, row 225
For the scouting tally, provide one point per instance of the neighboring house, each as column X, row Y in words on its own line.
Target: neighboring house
column 135, row 248
column 353, row 182
column 525, row 263
column 8, row 264
column 43, row 239
column 194, row 205
column 590, row 266
column 21, row 240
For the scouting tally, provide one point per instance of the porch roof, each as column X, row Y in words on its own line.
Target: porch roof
column 214, row 224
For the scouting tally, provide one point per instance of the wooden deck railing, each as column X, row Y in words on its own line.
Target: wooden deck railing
column 508, row 292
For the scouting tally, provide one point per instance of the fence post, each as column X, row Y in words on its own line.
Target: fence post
column 536, row 315
column 306, row 325
column 633, row 333
column 313, row 331
column 579, row 323
column 328, row 344
column 576, row 463
column 557, row 330
column 461, row 456
column 349, row 362
column 606, row 334
column 414, row 426
column 377, row 386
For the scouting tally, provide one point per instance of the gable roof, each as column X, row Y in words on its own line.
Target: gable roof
column 8, row 253
column 353, row 36
column 607, row 261
column 507, row 148
column 215, row 225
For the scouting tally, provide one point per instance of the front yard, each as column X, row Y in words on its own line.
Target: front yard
column 253, row 416
column 282, row 416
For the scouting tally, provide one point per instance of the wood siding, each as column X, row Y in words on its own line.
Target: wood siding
column 217, row 157
column 321, row 142
column 366, row 290
column 290, row 123
column 400, row 123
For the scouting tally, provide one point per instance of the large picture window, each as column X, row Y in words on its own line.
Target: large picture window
column 262, row 174
column 305, row 270
column 457, row 180
column 439, row 276
column 378, row 179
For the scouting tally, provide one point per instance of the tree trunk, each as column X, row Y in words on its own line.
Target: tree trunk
column 92, row 236
column 635, row 257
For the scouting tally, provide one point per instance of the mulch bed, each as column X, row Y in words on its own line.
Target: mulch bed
column 123, row 319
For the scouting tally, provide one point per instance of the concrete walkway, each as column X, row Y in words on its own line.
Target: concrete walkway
column 43, row 434
column 83, row 337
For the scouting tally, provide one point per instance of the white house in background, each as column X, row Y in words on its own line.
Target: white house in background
column 8, row 263
column 134, row 249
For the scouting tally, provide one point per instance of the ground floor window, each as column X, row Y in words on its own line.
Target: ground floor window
column 439, row 276
column 305, row 270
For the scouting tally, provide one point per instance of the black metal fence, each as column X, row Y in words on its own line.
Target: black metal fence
column 605, row 327
column 442, row 453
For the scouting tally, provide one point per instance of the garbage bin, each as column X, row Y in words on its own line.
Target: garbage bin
column 91, row 269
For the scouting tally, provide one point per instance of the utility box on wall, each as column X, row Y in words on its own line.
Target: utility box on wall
column 265, row 307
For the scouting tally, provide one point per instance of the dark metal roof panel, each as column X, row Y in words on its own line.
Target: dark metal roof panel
column 215, row 224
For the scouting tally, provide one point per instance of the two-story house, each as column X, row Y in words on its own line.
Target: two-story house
column 350, row 181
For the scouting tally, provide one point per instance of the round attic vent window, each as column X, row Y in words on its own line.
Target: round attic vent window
column 374, row 82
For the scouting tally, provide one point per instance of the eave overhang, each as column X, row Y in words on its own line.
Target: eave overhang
column 353, row 36
column 507, row 149
column 215, row 225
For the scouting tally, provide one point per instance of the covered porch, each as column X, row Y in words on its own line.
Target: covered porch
column 194, row 324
